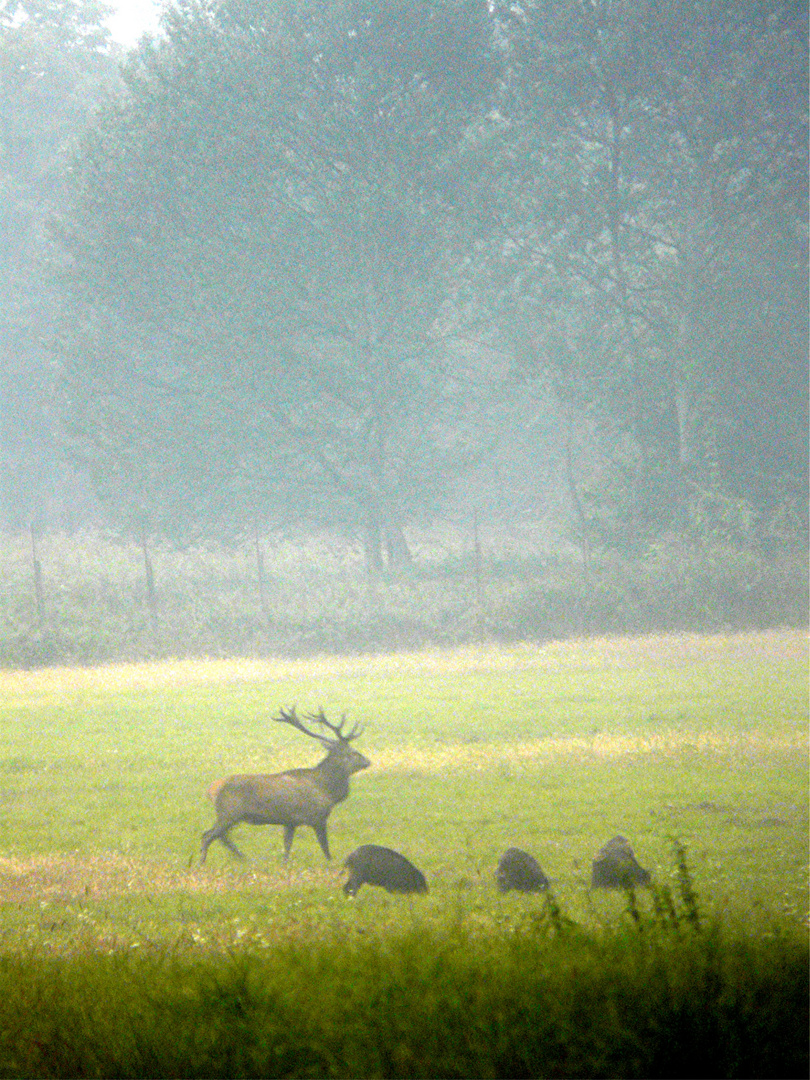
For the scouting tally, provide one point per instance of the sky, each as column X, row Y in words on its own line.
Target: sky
column 132, row 19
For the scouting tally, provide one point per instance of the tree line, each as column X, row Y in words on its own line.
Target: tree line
column 302, row 261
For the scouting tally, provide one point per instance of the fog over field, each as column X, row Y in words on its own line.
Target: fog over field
column 459, row 321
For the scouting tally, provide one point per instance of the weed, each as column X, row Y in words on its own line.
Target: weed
column 685, row 886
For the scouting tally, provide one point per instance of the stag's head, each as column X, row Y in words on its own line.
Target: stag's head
column 337, row 742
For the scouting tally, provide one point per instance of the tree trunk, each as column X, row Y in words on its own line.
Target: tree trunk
column 372, row 542
column 396, row 547
column 151, row 592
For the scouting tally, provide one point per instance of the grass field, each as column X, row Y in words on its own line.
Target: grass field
column 555, row 749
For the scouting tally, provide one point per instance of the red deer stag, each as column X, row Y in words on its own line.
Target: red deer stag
column 292, row 798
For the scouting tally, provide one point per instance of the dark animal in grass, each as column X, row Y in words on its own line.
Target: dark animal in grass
column 374, row 865
column 615, row 867
column 292, row 798
column 520, row 871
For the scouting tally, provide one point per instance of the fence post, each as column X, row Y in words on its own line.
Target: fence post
column 37, row 565
column 151, row 592
column 479, row 584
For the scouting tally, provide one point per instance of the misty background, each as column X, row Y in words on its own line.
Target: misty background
column 372, row 325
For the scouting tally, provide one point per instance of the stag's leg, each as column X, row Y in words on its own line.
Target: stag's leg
column 219, row 832
column 207, row 837
column 320, row 832
column 289, row 831
column 231, row 846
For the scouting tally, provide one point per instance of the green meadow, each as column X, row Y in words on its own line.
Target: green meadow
column 121, row 955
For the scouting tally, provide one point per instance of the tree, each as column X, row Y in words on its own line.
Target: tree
column 259, row 226
column 55, row 62
column 645, row 214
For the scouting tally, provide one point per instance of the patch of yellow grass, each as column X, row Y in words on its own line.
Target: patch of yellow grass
column 616, row 652
column 63, row 877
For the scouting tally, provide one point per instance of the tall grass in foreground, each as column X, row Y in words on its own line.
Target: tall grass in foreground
column 656, row 995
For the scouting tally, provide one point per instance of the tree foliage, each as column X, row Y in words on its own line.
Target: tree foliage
column 261, row 222
column 648, row 201
column 55, row 62
column 303, row 240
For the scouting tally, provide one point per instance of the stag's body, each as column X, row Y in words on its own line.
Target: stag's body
column 292, row 798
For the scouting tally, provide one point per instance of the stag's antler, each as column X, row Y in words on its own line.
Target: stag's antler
column 319, row 718
column 290, row 717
